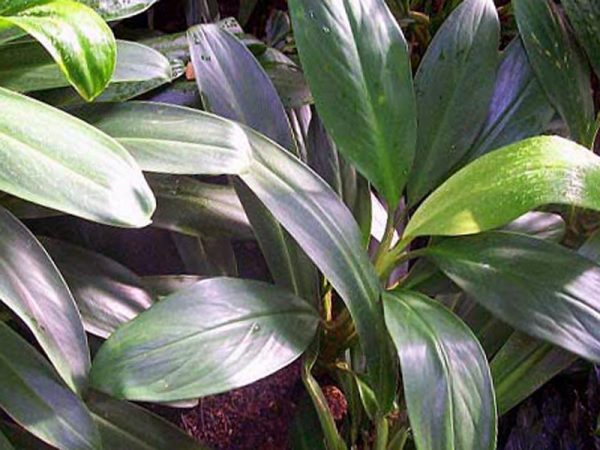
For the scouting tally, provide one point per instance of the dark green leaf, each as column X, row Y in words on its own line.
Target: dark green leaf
column 118, row 9
column 4, row 443
column 546, row 226
column 454, row 84
column 107, row 293
column 35, row 398
column 163, row 285
column 124, row 425
column 506, row 183
column 559, row 65
column 53, row 159
column 305, row 428
column 357, row 65
column 537, row 287
column 33, row 288
column 584, row 16
column 519, row 108
column 195, row 208
column 447, row 382
column 80, row 42
column 217, row 335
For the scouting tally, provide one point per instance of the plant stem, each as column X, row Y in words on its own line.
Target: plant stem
column 386, row 240
column 381, row 434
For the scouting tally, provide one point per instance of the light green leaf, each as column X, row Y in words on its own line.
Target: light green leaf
column 356, row 62
column 195, row 208
column 53, row 159
column 502, row 185
column 107, row 293
column 124, row 425
column 537, row 287
column 559, row 65
column 36, row 399
column 454, row 85
column 172, row 139
column 217, row 335
column 584, row 16
column 33, row 288
column 519, row 108
column 447, row 382
column 80, row 42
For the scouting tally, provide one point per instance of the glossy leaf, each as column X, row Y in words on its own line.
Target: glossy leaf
column 217, row 335
column 118, row 9
column 124, row 425
column 519, row 107
column 195, row 208
column 84, row 163
column 33, row 288
column 542, row 225
column 36, row 399
column 237, row 87
column 506, row 183
column 356, row 61
column 522, row 366
column 80, row 42
column 584, row 16
column 454, row 81
column 559, row 65
column 171, row 139
column 217, row 57
column 107, row 293
column 537, row 287
column 26, row 67
column 447, row 382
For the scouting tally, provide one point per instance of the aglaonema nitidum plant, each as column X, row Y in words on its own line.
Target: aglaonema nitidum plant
column 411, row 218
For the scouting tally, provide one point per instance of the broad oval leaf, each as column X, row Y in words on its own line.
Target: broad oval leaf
column 503, row 184
column 123, row 425
column 447, row 382
column 584, row 16
column 80, row 42
column 559, row 65
column 453, row 85
column 519, row 107
column 537, row 287
column 107, row 293
column 192, row 207
column 71, row 166
column 36, row 399
column 217, row 335
column 33, row 288
column 357, row 65
column 172, row 139
column 118, row 9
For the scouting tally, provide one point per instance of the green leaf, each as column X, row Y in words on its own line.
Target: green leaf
column 447, row 382
column 233, row 84
column 183, row 141
column 357, row 65
column 559, row 65
column 83, row 162
column 27, row 67
column 217, row 335
column 504, row 184
column 4, row 443
column 523, row 365
column 542, row 225
column 584, row 16
column 80, row 42
column 33, row 288
column 305, row 428
column 206, row 256
column 163, row 285
column 305, row 205
column 107, row 293
column 454, row 85
column 124, row 425
column 195, row 208
column 118, row 9
column 36, row 399
column 519, row 108
column 537, row 287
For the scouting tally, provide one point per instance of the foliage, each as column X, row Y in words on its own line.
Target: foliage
column 408, row 177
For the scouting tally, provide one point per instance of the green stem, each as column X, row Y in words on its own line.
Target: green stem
column 381, row 436
column 386, row 240
column 399, row 440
